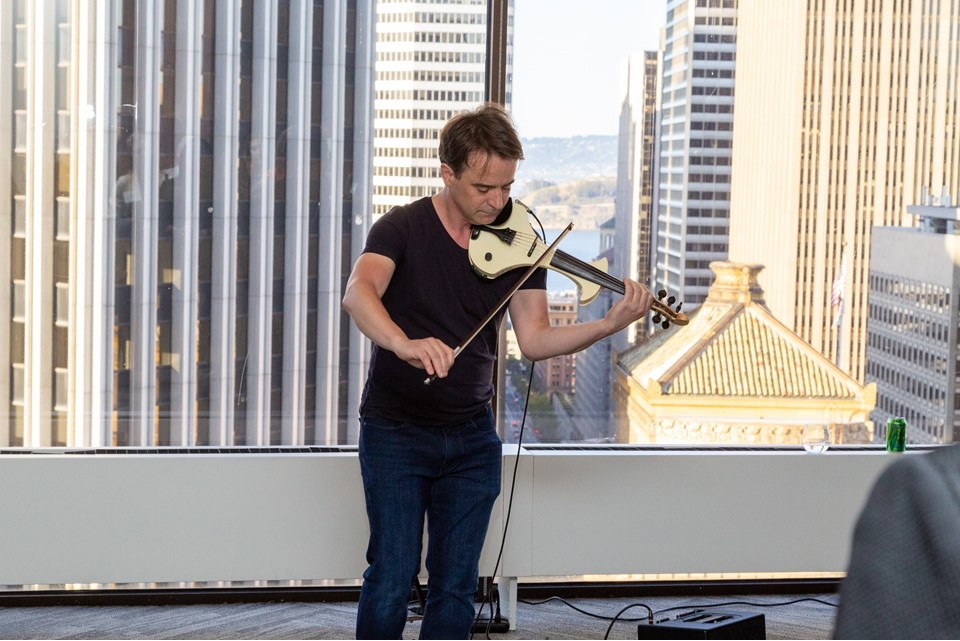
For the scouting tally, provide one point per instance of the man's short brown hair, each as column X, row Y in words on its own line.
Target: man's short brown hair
column 487, row 129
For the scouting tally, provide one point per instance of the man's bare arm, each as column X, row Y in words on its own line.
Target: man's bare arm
column 363, row 302
column 539, row 341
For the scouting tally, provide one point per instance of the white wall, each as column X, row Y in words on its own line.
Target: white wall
column 112, row 518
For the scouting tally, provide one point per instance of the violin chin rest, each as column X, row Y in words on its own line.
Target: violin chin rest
column 504, row 213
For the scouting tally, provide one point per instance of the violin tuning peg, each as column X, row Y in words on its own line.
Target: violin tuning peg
column 661, row 293
column 665, row 324
column 657, row 318
column 679, row 305
column 671, row 300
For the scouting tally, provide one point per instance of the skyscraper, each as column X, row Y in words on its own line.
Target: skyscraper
column 431, row 64
column 557, row 374
column 695, row 137
column 630, row 256
column 633, row 241
column 844, row 113
column 179, row 219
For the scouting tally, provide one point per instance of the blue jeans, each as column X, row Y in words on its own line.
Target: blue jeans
column 450, row 474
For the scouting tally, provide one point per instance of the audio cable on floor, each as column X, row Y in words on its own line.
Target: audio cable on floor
column 652, row 614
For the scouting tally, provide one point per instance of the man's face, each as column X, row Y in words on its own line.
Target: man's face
column 483, row 188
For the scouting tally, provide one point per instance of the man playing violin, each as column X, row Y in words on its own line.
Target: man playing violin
column 433, row 449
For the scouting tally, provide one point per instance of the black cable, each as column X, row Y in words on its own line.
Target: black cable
column 603, row 617
column 488, row 598
column 751, row 604
column 543, row 234
column 650, row 617
column 506, row 523
column 617, row 618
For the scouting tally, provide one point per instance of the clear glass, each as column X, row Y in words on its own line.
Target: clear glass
column 188, row 189
column 816, row 438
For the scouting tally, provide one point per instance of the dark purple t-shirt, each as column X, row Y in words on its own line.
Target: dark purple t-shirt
column 434, row 292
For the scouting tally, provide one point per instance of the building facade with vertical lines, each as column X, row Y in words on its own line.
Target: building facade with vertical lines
column 431, row 65
column 636, row 160
column 694, row 145
column 188, row 185
column 846, row 111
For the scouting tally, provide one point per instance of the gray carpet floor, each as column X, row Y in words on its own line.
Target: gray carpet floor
column 808, row 617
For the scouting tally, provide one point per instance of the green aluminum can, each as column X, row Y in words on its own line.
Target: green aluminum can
column 896, row 434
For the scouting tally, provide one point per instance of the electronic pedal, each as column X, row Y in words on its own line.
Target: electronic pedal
column 704, row 624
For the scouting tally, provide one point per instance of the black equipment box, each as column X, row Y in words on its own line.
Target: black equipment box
column 701, row 624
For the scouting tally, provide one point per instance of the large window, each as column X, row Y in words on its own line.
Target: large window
column 185, row 186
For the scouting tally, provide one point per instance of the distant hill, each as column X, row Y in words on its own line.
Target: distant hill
column 558, row 160
column 569, row 179
column 588, row 202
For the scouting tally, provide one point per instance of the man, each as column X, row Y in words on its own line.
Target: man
column 433, row 449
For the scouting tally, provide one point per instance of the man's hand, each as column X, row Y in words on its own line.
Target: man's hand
column 635, row 304
column 429, row 354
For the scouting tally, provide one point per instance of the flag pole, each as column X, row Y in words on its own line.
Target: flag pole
column 838, row 296
column 839, row 332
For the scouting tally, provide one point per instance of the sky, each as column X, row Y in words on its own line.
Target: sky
column 569, row 64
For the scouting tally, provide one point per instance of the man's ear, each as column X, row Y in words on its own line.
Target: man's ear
column 446, row 173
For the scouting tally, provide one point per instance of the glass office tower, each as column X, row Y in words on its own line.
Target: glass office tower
column 185, row 183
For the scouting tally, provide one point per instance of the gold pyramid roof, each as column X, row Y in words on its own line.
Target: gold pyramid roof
column 735, row 374
column 735, row 347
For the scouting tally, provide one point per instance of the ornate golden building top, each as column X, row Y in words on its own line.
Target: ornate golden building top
column 734, row 346
column 737, row 364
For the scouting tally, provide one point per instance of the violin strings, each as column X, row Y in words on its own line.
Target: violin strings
column 587, row 271
column 579, row 268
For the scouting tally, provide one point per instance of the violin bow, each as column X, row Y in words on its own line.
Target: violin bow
column 506, row 297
